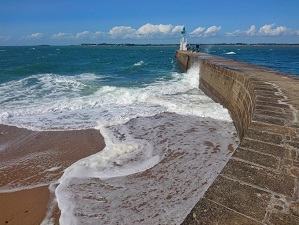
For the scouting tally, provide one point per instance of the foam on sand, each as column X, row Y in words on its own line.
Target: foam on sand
column 156, row 181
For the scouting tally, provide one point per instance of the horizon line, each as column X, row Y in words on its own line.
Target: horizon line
column 132, row 44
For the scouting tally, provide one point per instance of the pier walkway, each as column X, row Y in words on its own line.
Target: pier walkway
column 259, row 184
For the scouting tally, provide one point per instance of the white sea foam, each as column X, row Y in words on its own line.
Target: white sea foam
column 139, row 63
column 55, row 168
column 153, row 153
column 64, row 102
column 152, row 171
column 230, row 53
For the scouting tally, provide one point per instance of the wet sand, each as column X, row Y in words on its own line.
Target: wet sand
column 30, row 161
column 24, row 207
column 191, row 152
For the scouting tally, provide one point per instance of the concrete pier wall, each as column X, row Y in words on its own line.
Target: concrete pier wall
column 259, row 184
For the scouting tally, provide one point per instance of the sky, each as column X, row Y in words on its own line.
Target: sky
column 64, row 22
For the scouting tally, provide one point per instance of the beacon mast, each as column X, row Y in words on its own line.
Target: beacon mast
column 183, row 44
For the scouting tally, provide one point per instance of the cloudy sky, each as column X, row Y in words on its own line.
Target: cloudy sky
column 59, row 22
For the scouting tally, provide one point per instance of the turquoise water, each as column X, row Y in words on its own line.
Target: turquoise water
column 80, row 84
column 121, row 66
column 129, row 66
column 21, row 62
column 284, row 58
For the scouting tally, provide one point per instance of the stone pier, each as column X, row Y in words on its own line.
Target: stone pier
column 259, row 184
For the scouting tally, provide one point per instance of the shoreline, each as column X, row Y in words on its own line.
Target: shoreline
column 31, row 161
column 187, row 167
column 27, row 206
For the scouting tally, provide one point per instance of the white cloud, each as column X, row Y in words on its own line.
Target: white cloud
column 89, row 35
column 203, row 32
column 198, row 32
column 150, row 30
column 269, row 30
column 251, row 31
column 80, row 35
column 266, row 30
column 146, row 31
column 84, row 34
column 211, row 31
column 234, row 33
column 34, row 36
column 122, row 32
column 157, row 31
column 62, row 35
column 177, row 29
column 99, row 33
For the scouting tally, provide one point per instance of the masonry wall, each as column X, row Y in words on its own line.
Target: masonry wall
column 259, row 184
column 234, row 91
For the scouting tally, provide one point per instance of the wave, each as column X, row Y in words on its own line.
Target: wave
column 53, row 102
column 140, row 63
column 230, row 53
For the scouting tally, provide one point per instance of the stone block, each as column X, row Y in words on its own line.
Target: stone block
column 244, row 199
column 265, row 88
column 271, row 104
column 268, row 94
column 257, row 158
column 282, row 130
column 207, row 212
column 262, row 147
column 263, row 178
column 269, row 119
column 268, row 99
column 271, row 109
column 278, row 218
column 276, row 114
column 292, row 163
column 263, row 136
column 294, row 144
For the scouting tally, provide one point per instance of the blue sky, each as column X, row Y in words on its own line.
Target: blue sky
column 59, row 22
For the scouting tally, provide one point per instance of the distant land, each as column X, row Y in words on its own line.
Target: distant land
column 127, row 44
column 105, row 44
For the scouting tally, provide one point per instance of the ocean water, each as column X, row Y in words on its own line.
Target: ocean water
column 166, row 141
column 284, row 58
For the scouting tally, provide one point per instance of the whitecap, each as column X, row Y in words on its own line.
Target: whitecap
column 140, row 63
column 54, row 102
column 230, row 53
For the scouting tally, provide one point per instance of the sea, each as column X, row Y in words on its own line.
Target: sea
column 166, row 141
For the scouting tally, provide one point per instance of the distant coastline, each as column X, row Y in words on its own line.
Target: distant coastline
column 166, row 45
column 106, row 44
column 256, row 44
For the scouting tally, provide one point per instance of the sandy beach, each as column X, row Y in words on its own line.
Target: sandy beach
column 30, row 161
